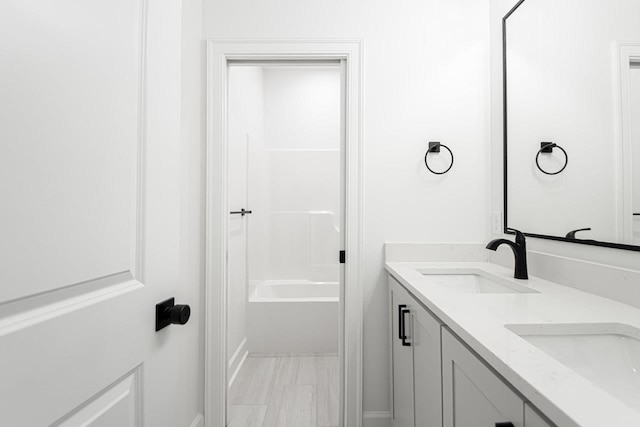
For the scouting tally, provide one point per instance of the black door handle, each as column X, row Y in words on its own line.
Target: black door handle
column 507, row 424
column 167, row 313
column 404, row 311
column 241, row 212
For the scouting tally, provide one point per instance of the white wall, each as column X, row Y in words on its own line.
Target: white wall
column 562, row 89
column 620, row 258
column 294, row 177
column 295, row 233
column 425, row 78
column 302, row 107
column 246, row 104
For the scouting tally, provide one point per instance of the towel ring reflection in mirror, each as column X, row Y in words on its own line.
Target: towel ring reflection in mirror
column 434, row 147
column 547, row 147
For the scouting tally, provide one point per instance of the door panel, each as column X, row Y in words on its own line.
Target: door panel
column 238, row 248
column 61, row 358
column 90, row 220
column 69, row 120
column 119, row 406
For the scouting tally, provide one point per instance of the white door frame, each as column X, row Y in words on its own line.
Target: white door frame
column 219, row 53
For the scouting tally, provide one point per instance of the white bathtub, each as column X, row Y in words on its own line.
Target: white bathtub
column 295, row 291
column 293, row 316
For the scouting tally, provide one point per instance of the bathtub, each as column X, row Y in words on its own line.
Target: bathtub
column 293, row 316
column 295, row 291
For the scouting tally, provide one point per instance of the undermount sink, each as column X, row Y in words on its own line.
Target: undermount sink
column 472, row 283
column 606, row 354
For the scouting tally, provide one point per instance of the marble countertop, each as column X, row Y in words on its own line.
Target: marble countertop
column 564, row 396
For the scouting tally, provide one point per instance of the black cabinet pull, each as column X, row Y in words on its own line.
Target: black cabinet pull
column 400, row 321
column 404, row 334
column 507, row 424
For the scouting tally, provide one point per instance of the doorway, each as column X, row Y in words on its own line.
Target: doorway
column 274, row 233
column 286, row 184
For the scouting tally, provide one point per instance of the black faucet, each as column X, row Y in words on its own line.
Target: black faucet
column 572, row 233
column 519, row 251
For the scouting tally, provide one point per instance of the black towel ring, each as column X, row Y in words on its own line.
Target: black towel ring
column 547, row 147
column 434, row 147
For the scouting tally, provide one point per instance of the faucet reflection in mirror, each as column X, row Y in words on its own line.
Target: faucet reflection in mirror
column 572, row 76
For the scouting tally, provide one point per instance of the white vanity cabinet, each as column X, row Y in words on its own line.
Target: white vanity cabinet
column 438, row 381
column 472, row 394
column 416, row 362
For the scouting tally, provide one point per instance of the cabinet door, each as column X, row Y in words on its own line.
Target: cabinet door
column 473, row 395
column 402, row 362
column 533, row 419
column 427, row 377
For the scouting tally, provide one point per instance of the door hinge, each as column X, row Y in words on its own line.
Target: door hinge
column 343, row 257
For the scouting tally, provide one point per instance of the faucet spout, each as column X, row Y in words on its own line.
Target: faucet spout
column 494, row 244
column 519, row 249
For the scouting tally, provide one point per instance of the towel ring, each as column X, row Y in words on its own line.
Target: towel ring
column 434, row 147
column 547, row 147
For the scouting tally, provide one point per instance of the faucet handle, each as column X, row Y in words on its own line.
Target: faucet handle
column 520, row 239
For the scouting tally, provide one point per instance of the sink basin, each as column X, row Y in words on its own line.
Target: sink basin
column 472, row 283
column 607, row 354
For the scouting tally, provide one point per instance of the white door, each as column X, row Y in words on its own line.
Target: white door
column 238, row 200
column 89, row 214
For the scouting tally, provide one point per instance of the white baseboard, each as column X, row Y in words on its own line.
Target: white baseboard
column 237, row 360
column 376, row 419
column 198, row 421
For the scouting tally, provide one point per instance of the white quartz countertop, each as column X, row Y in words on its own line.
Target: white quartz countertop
column 564, row 396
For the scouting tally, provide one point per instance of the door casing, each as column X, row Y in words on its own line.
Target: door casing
column 219, row 54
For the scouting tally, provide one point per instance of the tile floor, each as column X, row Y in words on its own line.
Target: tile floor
column 285, row 391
